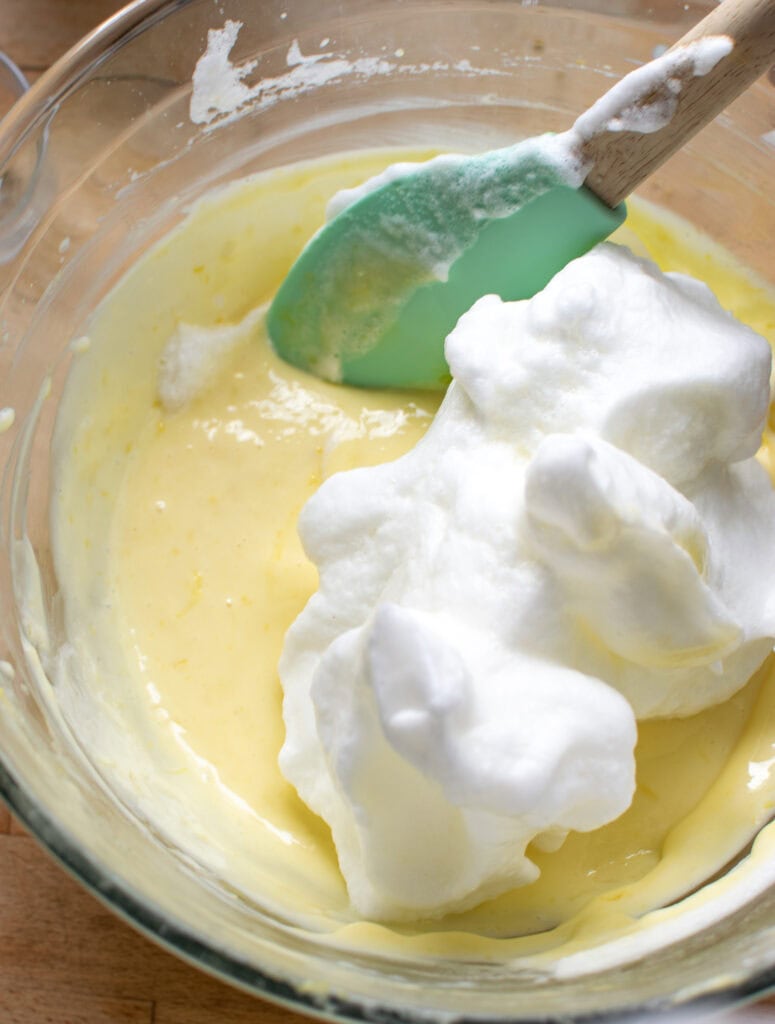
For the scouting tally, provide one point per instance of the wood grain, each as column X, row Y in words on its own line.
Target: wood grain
column 36, row 32
column 65, row 959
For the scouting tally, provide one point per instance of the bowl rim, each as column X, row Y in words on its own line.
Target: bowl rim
column 44, row 94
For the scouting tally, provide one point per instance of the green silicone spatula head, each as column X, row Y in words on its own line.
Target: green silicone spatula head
column 374, row 294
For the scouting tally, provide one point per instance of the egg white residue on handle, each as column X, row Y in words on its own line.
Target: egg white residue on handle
column 646, row 99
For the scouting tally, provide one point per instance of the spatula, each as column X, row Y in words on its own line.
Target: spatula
column 374, row 294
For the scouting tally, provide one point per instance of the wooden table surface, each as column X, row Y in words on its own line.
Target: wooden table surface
column 64, row 959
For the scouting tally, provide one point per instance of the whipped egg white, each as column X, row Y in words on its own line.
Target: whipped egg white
column 582, row 539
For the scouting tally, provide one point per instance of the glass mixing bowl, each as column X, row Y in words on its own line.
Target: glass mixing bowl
column 102, row 158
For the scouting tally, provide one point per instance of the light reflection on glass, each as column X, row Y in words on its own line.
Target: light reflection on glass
column 759, row 773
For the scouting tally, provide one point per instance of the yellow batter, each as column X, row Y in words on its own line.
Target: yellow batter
column 175, row 532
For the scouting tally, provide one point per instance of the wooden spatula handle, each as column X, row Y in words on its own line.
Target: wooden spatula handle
column 622, row 159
